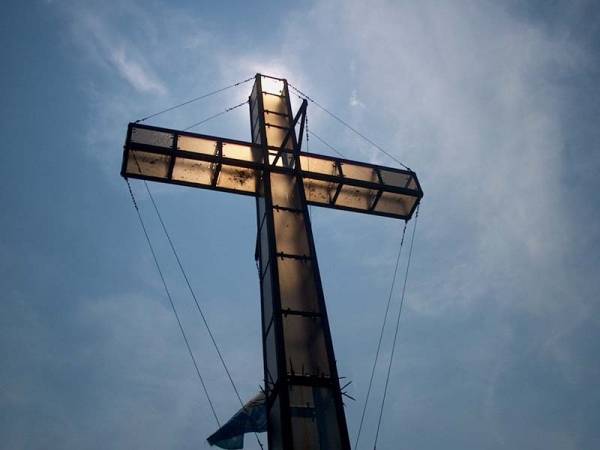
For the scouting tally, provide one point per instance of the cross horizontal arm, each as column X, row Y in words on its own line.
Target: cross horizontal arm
column 191, row 159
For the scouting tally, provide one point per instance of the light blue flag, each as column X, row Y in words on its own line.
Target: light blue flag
column 251, row 418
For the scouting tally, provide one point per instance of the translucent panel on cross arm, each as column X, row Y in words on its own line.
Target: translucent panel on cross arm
column 255, row 124
column 237, row 178
column 242, row 152
column 314, row 418
column 192, row 171
column 271, row 353
column 256, row 135
column 277, row 119
column 305, row 348
column 151, row 137
column 305, row 427
column 276, row 135
column 301, row 396
column 271, row 85
column 318, row 165
column 264, row 245
column 284, row 191
column 398, row 179
column 397, row 204
column 355, row 197
column 148, row 164
column 260, row 206
column 197, row 145
column 297, row 285
column 253, row 112
column 274, row 103
column 356, row 172
column 318, row 191
column 275, row 432
column 267, row 297
column 412, row 184
column 281, row 158
column 253, row 94
column 290, row 233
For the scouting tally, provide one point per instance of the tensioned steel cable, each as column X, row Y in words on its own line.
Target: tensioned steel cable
column 308, row 134
column 389, row 369
column 195, row 99
column 346, row 124
column 385, row 316
column 327, row 144
column 214, row 116
column 307, row 151
column 306, row 131
column 192, row 292
column 187, row 343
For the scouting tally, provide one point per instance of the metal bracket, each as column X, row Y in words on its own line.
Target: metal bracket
column 301, row 113
column 217, row 166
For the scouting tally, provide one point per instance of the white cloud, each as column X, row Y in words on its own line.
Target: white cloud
column 354, row 100
column 134, row 73
column 110, row 47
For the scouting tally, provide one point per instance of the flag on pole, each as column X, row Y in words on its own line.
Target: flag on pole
column 252, row 418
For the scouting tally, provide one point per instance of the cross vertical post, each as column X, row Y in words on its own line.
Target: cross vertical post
column 304, row 408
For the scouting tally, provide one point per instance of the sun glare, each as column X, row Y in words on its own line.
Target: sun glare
column 271, row 85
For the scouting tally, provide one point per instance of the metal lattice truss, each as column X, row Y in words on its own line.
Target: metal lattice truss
column 197, row 160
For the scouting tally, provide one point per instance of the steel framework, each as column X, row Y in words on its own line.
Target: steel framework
column 304, row 401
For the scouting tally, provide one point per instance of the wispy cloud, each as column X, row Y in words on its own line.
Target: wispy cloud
column 354, row 100
column 111, row 47
column 135, row 74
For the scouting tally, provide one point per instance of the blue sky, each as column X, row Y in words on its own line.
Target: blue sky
column 494, row 104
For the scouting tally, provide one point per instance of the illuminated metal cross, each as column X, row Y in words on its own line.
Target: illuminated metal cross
column 304, row 402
